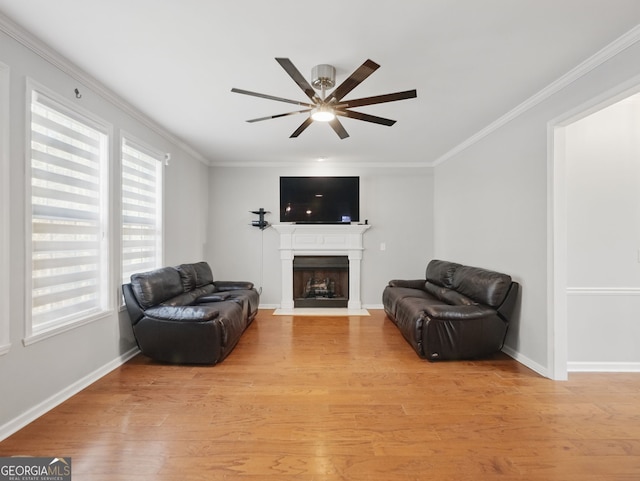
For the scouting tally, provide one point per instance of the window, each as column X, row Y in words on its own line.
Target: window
column 68, row 198
column 141, row 208
column 5, row 343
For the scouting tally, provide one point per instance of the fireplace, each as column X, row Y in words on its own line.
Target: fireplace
column 320, row 281
column 322, row 241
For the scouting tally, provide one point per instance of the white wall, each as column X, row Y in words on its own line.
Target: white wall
column 398, row 204
column 603, row 237
column 491, row 199
column 36, row 377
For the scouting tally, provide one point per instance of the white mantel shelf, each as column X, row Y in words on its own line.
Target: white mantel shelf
column 321, row 240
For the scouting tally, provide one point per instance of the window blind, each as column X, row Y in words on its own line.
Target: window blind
column 68, row 221
column 141, row 209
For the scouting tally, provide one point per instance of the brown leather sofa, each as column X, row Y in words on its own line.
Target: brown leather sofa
column 181, row 315
column 457, row 312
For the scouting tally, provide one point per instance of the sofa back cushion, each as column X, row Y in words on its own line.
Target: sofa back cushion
column 195, row 275
column 441, row 272
column 481, row 285
column 447, row 295
column 153, row 287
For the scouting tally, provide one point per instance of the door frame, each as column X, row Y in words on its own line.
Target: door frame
column 557, row 320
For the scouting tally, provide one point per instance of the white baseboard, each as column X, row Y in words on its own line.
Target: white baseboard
column 373, row 306
column 48, row 404
column 364, row 306
column 543, row 371
column 603, row 366
column 320, row 311
column 269, row 306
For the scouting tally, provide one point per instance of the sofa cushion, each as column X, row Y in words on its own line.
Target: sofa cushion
column 195, row 275
column 183, row 313
column 233, row 285
column 448, row 295
column 481, row 285
column 441, row 272
column 410, row 283
column 189, row 298
column 438, row 311
column 393, row 296
column 153, row 287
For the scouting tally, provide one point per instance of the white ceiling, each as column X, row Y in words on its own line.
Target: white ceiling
column 471, row 61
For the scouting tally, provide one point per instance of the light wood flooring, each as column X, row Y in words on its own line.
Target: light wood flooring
column 341, row 398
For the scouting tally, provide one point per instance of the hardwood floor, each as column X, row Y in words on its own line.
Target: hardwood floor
column 337, row 398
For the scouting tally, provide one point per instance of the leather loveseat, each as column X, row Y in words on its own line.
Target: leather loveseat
column 181, row 315
column 457, row 312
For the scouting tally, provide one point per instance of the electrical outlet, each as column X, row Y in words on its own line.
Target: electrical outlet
column 383, row 247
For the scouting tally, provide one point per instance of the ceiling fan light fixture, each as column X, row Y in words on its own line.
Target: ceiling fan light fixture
column 323, row 113
column 323, row 108
column 323, row 77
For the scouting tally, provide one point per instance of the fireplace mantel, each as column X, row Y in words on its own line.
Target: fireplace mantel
column 321, row 240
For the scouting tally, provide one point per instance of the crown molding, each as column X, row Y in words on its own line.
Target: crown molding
column 65, row 65
column 614, row 48
column 315, row 163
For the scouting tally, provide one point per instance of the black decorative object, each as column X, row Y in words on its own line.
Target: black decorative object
column 261, row 223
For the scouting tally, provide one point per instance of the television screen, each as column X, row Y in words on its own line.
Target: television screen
column 320, row 200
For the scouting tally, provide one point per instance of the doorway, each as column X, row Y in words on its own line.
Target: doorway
column 595, row 237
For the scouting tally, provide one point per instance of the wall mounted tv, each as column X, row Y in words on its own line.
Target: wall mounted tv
column 320, row 200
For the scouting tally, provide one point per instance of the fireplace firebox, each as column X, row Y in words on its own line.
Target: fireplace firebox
column 320, row 281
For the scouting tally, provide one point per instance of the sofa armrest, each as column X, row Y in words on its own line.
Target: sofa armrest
column 131, row 303
column 218, row 296
column 457, row 313
column 182, row 313
column 411, row 283
column 232, row 285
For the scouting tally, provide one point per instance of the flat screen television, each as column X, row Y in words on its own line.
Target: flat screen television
column 320, row 200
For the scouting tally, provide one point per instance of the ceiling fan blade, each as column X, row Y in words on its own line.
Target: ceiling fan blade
column 378, row 99
column 279, row 115
column 366, row 117
column 353, row 80
column 338, row 128
column 270, row 97
column 302, row 127
column 297, row 77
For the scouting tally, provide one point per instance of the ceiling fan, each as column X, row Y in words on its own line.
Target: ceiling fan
column 327, row 108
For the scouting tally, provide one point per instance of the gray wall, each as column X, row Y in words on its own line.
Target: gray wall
column 398, row 204
column 491, row 201
column 35, row 377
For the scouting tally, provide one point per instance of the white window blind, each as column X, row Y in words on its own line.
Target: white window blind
column 141, row 209
column 69, row 157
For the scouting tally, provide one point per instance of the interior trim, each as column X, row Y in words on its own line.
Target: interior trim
column 5, row 319
column 600, row 57
column 65, row 65
column 603, row 291
column 48, row 404
column 604, row 366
